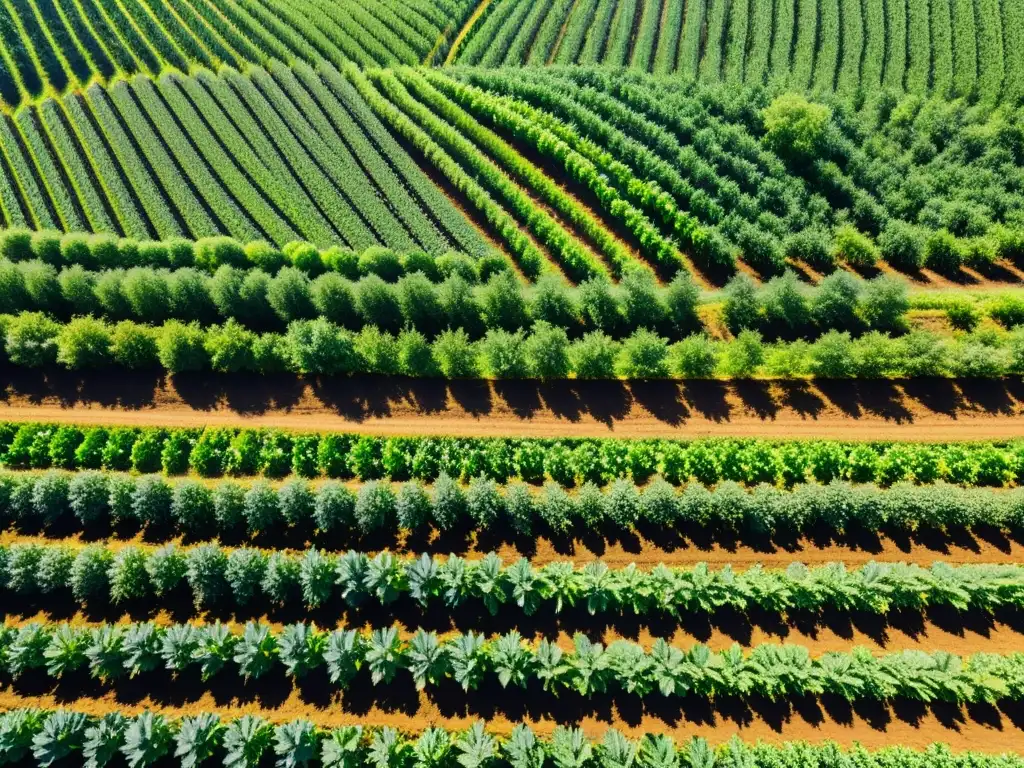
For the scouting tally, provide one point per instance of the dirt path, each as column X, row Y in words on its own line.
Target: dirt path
column 963, row 549
column 909, row 410
column 979, row 728
column 466, row 29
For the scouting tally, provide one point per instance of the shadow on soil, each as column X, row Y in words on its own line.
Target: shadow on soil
column 490, row 701
column 671, row 402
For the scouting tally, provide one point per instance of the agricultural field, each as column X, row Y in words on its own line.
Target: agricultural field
column 512, row 383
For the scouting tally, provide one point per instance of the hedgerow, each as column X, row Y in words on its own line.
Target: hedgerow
column 241, row 580
column 39, row 736
column 322, row 347
column 215, row 451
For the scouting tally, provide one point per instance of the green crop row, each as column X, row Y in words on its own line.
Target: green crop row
column 40, row 737
column 92, row 500
column 320, row 347
column 522, row 249
column 112, row 651
column 242, row 580
column 173, row 147
column 215, row 451
column 57, row 45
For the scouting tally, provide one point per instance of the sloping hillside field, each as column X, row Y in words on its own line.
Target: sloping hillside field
column 512, row 383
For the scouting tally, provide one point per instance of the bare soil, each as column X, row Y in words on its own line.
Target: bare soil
column 923, row 409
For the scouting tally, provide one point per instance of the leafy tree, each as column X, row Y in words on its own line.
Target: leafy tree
column 593, row 356
column 547, row 351
column 288, row 294
column 695, row 357
column 503, row 304
column 834, row 305
column 902, row 245
column 87, row 496
column 134, row 346
column 319, row 347
column 31, row 340
column 741, row 308
column 261, row 509
column 744, row 355
column 642, row 305
column 796, row 128
column 375, row 506
column 449, row 503
column 84, row 343
column 644, row 356
column 192, row 508
column 181, row 348
column 151, row 502
column 504, row 354
column 455, row 354
column 552, row 303
column 599, row 305
column 460, row 306
column 854, row 247
column 377, row 351
column 378, row 304
column 943, row 252
column 832, row 355
column 420, row 306
column 245, row 573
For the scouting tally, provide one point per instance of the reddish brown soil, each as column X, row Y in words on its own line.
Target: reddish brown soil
column 921, row 549
column 980, row 728
column 869, row 410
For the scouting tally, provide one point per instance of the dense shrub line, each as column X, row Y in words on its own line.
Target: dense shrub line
column 112, row 651
column 416, row 291
column 39, row 737
column 243, row 580
column 321, row 347
column 95, row 501
column 217, row 451
column 103, row 252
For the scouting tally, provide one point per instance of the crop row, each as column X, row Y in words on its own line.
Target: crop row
column 94, row 501
column 521, row 247
column 558, row 144
column 272, row 154
column 40, row 737
column 215, row 451
column 320, row 347
column 241, row 580
column 702, row 176
column 98, row 254
column 380, row 288
column 830, row 46
column 112, row 651
column 64, row 43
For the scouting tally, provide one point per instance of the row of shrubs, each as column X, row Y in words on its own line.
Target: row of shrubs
column 783, row 307
column 332, row 512
column 264, row 302
column 238, row 582
column 322, row 348
column 350, row 659
column 217, row 451
column 37, row 737
column 907, row 247
column 103, row 252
